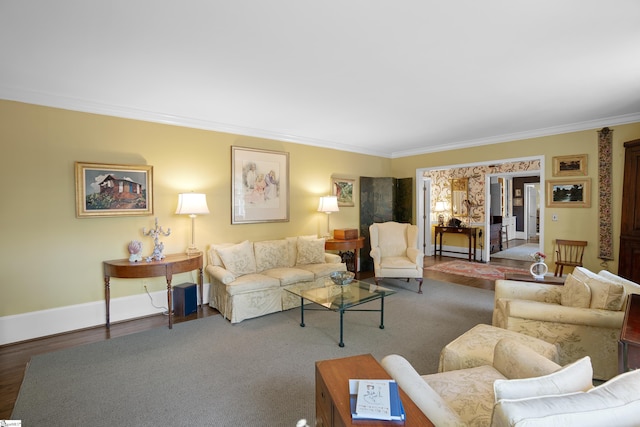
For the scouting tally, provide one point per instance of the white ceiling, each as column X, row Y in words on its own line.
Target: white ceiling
column 385, row 77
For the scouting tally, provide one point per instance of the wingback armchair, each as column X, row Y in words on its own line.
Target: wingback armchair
column 395, row 253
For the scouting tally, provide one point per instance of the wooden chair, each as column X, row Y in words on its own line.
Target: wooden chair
column 569, row 253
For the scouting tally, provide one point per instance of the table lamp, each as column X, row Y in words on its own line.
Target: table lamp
column 192, row 204
column 328, row 204
column 440, row 208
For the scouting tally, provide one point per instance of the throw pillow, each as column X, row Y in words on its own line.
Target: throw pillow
column 574, row 377
column 310, row 251
column 575, row 293
column 271, row 254
column 605, row 294
column 238, row 259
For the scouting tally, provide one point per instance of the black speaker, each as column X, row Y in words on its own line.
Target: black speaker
column 185, row 299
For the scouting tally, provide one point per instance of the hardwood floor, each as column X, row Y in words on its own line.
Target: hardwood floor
column 15, row 357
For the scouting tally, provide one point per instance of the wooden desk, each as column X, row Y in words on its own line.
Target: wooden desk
column 170, row 265
column 549, row 280
column 332, row 393
column 470, row 232
column 347, row 249
column 629, row 344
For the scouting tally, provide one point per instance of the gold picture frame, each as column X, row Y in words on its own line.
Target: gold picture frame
column 575, row 165
column 342, row 188
column 104, row 190
column 259, row 186
column 569, row 193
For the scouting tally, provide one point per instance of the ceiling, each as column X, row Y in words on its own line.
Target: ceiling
column 390, row 78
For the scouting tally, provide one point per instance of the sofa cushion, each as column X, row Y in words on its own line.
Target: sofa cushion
column 214, row 258
column 252, row 283
column 605, row 294
column 292, row 243
column 323, row 269
column 271, row 254
column 575, row 293
column 310, row 251
column 238, row 259
column 288, row 276
column 616, row 402
column 574, row 377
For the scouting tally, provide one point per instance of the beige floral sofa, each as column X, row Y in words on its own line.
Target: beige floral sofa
column 519, row 388
column 583, row 317
column 249, row 279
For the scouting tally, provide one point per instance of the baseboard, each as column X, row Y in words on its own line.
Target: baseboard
column 36, row 324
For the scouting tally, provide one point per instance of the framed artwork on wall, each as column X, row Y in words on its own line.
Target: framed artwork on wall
column 517, row 201
column 104, row 190
column 342, row 188
column 570, row 165
column 569, row 193
column 259, row 186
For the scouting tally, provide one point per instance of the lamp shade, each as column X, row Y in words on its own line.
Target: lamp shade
column 192, row 204
column 440, row 207
column 328, row 204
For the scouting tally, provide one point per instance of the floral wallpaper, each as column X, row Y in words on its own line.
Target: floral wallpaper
column 441, row 186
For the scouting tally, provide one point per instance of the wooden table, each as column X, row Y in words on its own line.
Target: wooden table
column 629, row 344
column 470, row 232
column 549, row 280
column 332, row 393
column 170, row 265
column 348, row 250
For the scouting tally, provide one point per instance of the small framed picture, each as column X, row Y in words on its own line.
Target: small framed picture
column 113, row 190
column 569, row 193
column 570, row 165
column 518, row 192
column 342, row 188
column 517, row 201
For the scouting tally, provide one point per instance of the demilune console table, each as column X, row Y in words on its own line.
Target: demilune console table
column 170, row 265
column 347, row 249
column 470, row 232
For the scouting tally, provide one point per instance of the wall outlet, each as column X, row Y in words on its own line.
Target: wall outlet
column 554, row 217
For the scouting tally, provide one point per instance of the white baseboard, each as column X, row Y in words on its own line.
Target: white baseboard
column 36, row 324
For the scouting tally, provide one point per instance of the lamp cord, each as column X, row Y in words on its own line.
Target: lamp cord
column 166, row 310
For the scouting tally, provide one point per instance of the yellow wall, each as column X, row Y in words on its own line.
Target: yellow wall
column 51, row 259
column 573, row 223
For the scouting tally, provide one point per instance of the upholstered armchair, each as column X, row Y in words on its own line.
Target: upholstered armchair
column 583, row 317
column 395, row 253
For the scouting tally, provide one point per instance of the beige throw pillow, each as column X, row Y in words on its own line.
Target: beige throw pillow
column 310, row 251
column 605, row 294
column 271, row 254
column 238, row 259
column 575, row 293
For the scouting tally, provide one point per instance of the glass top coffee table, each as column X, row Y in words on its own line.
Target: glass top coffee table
column 342, row 298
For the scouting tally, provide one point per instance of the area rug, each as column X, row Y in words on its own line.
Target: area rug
column 474, row 269
column 521, row 252
column 259, row 372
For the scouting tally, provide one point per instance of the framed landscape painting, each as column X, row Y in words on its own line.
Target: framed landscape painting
column 259, row 186
column 569, row 193
column 343, row 189
column 113, row 190
column 570, row 165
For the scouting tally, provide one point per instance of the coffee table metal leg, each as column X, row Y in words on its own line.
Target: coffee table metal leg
column 382, row 313
column 302, row 312
column 341, row 318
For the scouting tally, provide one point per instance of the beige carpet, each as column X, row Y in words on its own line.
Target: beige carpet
column 522, row 252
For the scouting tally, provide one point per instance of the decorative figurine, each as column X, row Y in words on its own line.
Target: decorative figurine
column 135, row 249
column 158, row 247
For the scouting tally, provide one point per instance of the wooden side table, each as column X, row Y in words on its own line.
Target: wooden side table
column 348, row 250
column 470, row 232
column 549, row 280
column 629, row 344
column 332, row 393
column 170, row 265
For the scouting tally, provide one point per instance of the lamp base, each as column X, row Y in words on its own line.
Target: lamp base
column 192, row 250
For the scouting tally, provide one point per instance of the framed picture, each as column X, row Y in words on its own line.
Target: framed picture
column 517, row 201
column 569, row 193
column 518, row 192
column 343, row 189
column 570, row 165
column 259, row 186
column 113, row 190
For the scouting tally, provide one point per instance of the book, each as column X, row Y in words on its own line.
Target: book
column 375, row 400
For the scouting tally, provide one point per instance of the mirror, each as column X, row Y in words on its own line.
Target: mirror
column 459, row 193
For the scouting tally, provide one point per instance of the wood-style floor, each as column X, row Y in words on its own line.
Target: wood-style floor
column 15, row 357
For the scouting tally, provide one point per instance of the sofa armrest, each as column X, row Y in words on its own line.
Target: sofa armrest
column 420, row 393
column 513, row 289
column 220, row 274
column 515, row 360
column 375, row 254
column 556, row 313
column 416, row 256
column 332, row 258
